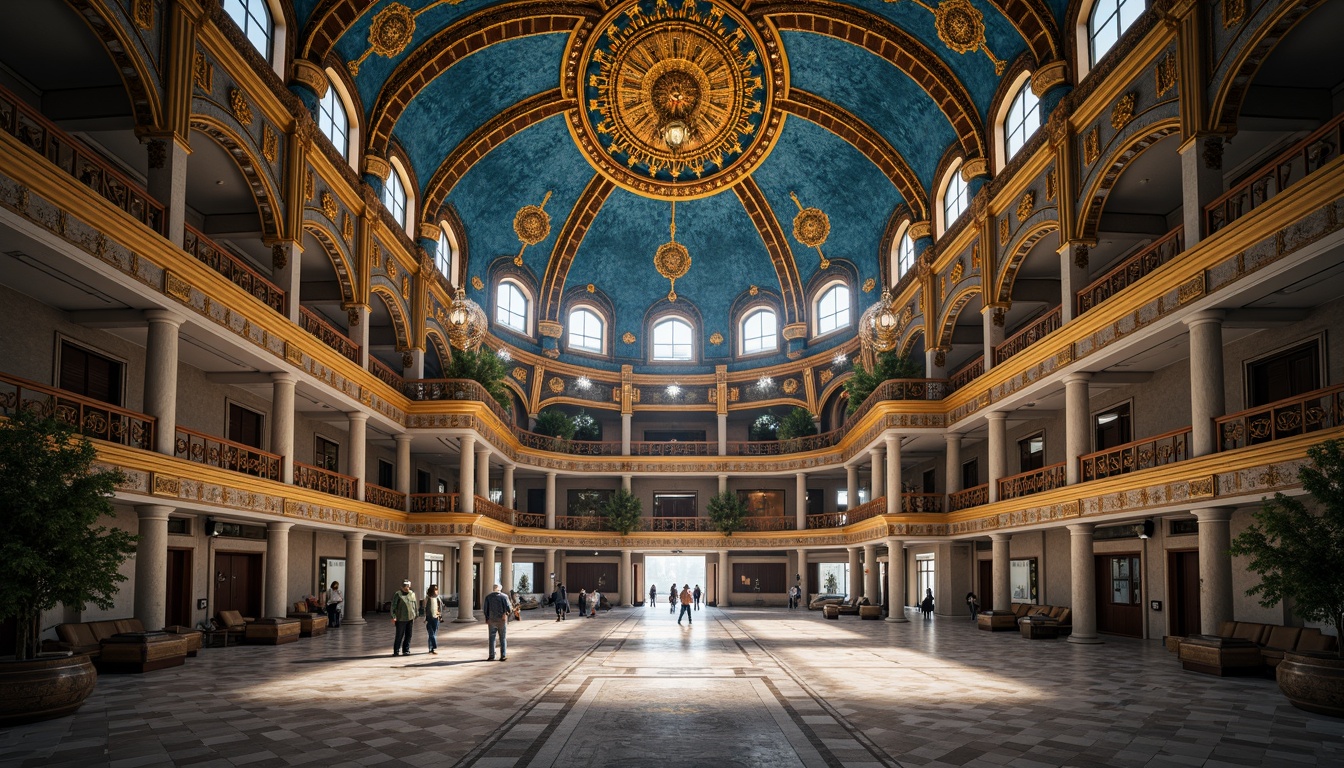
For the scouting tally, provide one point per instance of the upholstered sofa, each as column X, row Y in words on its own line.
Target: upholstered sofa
column 1247, row 648
column 311, row 623
column 123, row 645
column 89, row 636
column 1058, row 618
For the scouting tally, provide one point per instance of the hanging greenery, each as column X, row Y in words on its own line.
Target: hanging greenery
column 483, row 367
column 888, row 366
column 727, row 512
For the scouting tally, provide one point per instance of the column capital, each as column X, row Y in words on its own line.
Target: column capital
column 996, row 415
column 164, row 316
column 1212, row 514
column 876, row 451
column 284, row 377
column 1206, row 316
column 895, row 543
column 355, row 535
column 489, row 546
column 403, row 437
column 551, row 475
column 153, row 511
column 952, row 437
column 1004, row 537
column 469, row 541
column 357, row 416
column 468, row 441
column 1078, row 376
column 892, row 439
column 1081, row 529
column 279, row 527
column 483, row 448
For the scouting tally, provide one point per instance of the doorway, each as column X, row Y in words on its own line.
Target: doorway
column 1120, row 595
column 662, row 570
column 178, row 602
column 370, row 597
column 985, row 589
column 1183, row 567
column 238, row 583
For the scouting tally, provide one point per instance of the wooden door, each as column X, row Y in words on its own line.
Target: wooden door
column 370, row 597
column 238, row 583
column 1119, row 595
column 179, row 588
column 1183, row 592
column 985, row 589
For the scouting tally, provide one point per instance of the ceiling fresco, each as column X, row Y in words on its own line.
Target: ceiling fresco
column 786, row 134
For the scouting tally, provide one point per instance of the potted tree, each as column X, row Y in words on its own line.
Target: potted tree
column 794, row 426
column 556, row 424
column 52, row 552
column 623, row 512
column 483, row 367
column 1299, row 554
column 888, row 365
column 727, row 512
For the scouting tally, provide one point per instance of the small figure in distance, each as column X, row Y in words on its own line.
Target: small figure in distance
column 497, row 610
column 973, row 603
column 696, row 593
column 685, row 603
column 405, row 607
column 672, row 599
column 653, row 595
column 926, row 607
column 561, row 600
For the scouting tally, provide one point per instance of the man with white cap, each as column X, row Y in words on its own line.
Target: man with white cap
column 405, row 607
column 497, row 609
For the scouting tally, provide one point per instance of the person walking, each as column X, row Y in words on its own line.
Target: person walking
column 672, row 599
column 334, row 600
column 653, row 595
column 405, row 607
column 696, row 595
column 433, row 614
column 497, row 611
column 795, row 596
column 594, row 601
column 560, row 598
column 686, row 599
column 973, row 603
column 583, row 604
column 926, row 606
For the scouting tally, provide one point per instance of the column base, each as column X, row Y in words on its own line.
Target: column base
column 1093, row 640
column 898, row 619
column 467, row 620
column 353, row 620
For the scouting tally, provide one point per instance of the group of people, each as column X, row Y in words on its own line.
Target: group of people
column 588, row 602
column 688, row 598
column 499, row 608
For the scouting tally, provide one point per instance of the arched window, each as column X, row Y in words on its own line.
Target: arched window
column 511, row 307
column 833, row 309
column 394, row 196
column 443, row 255
column 759, row 332
column 585, row 330
column 1108, row 21
column 672, row 340
column 254, row 18
column 955, row 197
column 334, row 121
column 1022, row 120
column 905, row 254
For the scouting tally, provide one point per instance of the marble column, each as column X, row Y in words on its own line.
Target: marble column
column 508, row 497
column 466, row 476
column 851, row 486
column 167, row 183
column 801, row 573
column 506, row 569
column 725, row 596
column 855, row 587
column 161, row 377
column 723, row 434
column 625, row 482
column 464, row 586
column 800, row 500
column 483, row 472
column 1206, row 380
column 872, row 575
column 1082, row 584
column 896, row 596
column 286, row 273
column 625, row 582
column 151, row 566
column 1003, row 599
column 353, row 588
column 876, row 475
column 991, row 320
column 359, row 333
column 723, row 483
column 894, row 485
column 404, row 466
column 550, row 500
column 552, row 576
column 487, row 571
column 953, row 464
column 1215, row 568
column 625, row 434
column 1201, row 183
column 1074, row 275
column 358, row 464
column 282, row 422
column 277, row 569
column 1077, row 424
column 416, row 370
column 998, row 452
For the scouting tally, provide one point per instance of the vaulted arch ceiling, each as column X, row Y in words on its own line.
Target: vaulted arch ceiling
column 845, row 108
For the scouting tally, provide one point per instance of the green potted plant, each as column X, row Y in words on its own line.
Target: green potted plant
column 623, row 512
column 1298, row 553
column 586, row 427
column 799, row 423
column 888, row 365
column 555, row 423
column 52, row 552
column 483, row 367
column 727, row 512
column 765, row 427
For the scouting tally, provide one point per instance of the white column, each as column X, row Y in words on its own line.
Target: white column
column 876, row 472
column 464, row 588
column 852, row 486
column 151, row 566
column 723, row 483
column 625, row 434
column 282, row 422
column 416, row 370
column 487, row 571
column 801, row 573
column 896, row 581
column 360, row 334
column 483, row 472
column 1206, row 380
column 358, row 463
column 277, row 569
column 550, row 500
column 507, row 496
column 872, row 575
column 855, row 586
column 953, row 468
column 725, row 580
column 800, row 500
column 894, row 485
column 551, row 572
column 625, row 482
column 403, row 463
column 992, row 320
column 1201, row 184
column 723, row 434
column 1073, row 277
column 1082, row 584
column 167, row 183
column 1215, row 568
column 161, row 377
column 466, row 476
column 287, row 269
column 998, row 452
column 1003, row 599
column 352, row 612
column 1077, row 424
column 625, row 582
column 506, row 560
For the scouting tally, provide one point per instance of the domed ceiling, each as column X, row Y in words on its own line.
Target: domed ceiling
column 785, row 135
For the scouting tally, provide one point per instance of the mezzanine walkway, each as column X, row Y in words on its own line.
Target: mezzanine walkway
column 742, row 687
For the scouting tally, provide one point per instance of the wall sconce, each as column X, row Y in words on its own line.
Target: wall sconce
column 1146, row 529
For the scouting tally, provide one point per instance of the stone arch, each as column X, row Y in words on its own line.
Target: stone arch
column 948, row 321
column 915, row 331
column 344, row 275
column 434, row 340
column 136, row 73
column 1231, row 94
column 1036, row 23
column 400, row 326
column 1003, row 288
column 1110, row 168
column 264, row 193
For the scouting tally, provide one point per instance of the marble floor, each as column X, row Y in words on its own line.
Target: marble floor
column 739, row 687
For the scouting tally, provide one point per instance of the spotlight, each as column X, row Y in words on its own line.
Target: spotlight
column 765, row 382
column 840, row 358
column 503, row 354
column 583, row 383
column 673, row 390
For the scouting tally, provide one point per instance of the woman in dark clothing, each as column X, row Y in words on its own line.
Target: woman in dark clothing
column 561, row 599
column 926, row 607
column 973, row 603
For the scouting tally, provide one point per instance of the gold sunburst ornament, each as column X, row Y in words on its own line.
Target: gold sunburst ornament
column 672, row 260
column 961, row 27
column 391, row 31
column 811, row 227
column 531, row 224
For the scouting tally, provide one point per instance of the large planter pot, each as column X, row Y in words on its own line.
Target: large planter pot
column 52, row 685
column 1313, row 681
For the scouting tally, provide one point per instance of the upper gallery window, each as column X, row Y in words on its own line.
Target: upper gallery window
column 511, row 307
column 1022, row 120
column 254, row 18
column 394, row 196
column 585, row 330
column 672, row 340
column 334, row 121
column 443, row 255
column 905, row 254
column 1109, row 20
column 758, row 332
column 955, row 197
column 833, row 309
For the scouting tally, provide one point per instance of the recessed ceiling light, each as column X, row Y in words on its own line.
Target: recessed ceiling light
column 673, row 390
column 582, row 382
column 765, row 382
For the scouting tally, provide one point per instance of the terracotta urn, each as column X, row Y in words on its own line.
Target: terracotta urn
column 1313, row 681
column 52, row 685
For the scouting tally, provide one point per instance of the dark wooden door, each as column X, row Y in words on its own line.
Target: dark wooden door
column 1183, row 591
column 179, row 588
column 238, row 583
column 985, row 589
column 536, row 502
column 1119, row 595
column 371, row 597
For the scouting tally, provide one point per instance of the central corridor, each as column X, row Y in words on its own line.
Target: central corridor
column 740, row 687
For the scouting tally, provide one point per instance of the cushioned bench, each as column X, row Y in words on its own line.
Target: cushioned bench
column 1247, row 647
column 272, row 631
column 310, row 624
column 1004, row 621
column 138, row 652
column 89, row 636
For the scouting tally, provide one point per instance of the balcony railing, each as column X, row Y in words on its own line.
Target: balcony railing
column 580, row 523
column 434, row 502
column 675, row 448
column 91, row 418
column 42, row 136
column 571, row 447
column 234, row 269
column 864, row 511
column 971, row 497
column 492, row 510
column 918, row 503
column 783, row 447
column 966, row 374
column 529, row 520
column 901, row 389
column 1149, row 452
column 1299, row 415
column 770, row 523
column 676, row 524
column 327, row 334
column 1032, row 333
column 384, row 497
column 1035, row 481
column 390, row 377
column 453, row 389
column 1295, row 164
column 226, row 454
column 1131, row 270
column 324, row 480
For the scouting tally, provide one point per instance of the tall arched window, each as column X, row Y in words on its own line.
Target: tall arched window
column 511, row 307
column 334, row 121
column 1022, row 120
column 394, row 196
column 254, row 18
column 1108, row 21
column 905, row 254
column 955, row 197
column 585, row 330
column 833, row 309
column 443, row 256
column 672, row 340
column 760, row 332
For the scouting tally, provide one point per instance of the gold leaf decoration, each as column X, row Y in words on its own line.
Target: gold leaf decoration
column 753, row 290
column 628, row 337
column 476, row 283
column 957, row 271
column 556, row 384
column 203, row 73
column 869, row 285
column 1026, row 205
column 347, row 226
column 270, row 144
column 1092, row 146
column 406, row 287
column 520, row 374
column 1050, row 190
column 789, row 386
column 826, row 375
column 1123, row 111
column 1166, row 74
column 241, row 109
column 961, row 27
column 592, row 288
column 811, row 227
column 1004, row 230
column 329, row 205
column 391, row 267
column 672, row 261
column 716, row 338
column 531, row 224
column 1234, row 12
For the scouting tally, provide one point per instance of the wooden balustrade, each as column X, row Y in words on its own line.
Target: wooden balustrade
column 580, row 523
column 454, row 389
column 920, row 503
column 83, row 164
column 971, row 497
column 325, row 480
column 1299, row 415
column 327, row 334
column 571, row 447
column 1156, row 451
column 238, row 272
column 1034, row 481
column 966, row 374
column 384, row 497
column 1030, row 334
column 784, row 447
column 770, row 523
column 492, row 510
column 900, row 389
column 1131, row 270
column 1292, row 166
column 389, row 377
column 529, row 520
column 864, row 511
column 226, row 454
column 434, row 502
column 675, row 448
column 89, row 417
column 677, row 524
